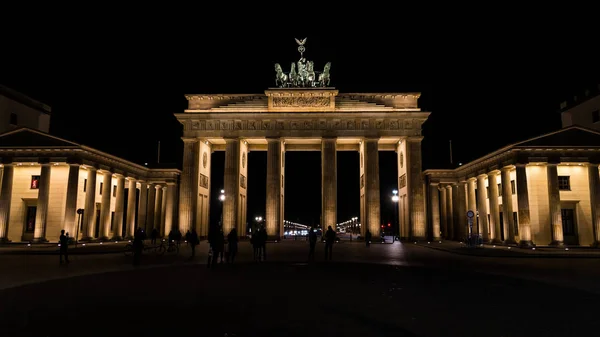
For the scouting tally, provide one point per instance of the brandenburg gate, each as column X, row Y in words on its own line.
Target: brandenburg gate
column 302, row 113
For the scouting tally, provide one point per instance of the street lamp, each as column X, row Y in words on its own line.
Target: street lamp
column 395, row 199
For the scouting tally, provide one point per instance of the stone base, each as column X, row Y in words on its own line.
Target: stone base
column 5, row 240
column 510, row 242
column 87, row 239
column 526, row 244
column 40, row 240
column 594, row 245
column 418, row 238
column 116, row 238
column 557, row 244
column 103, row 239
column 496, row 241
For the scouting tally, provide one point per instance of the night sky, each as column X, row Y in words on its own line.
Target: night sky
column 117, row 91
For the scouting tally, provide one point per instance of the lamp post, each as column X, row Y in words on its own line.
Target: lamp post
column 222, row 199
column 258, row 221
column 395, row 199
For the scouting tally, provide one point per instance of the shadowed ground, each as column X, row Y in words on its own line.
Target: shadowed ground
column 391, row 290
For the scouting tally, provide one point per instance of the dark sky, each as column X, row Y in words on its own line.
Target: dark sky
column 117, row 90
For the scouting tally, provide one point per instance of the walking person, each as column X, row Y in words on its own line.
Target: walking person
column 312, row 240
column 232, row 239
column 329, row 240
column 64, row 245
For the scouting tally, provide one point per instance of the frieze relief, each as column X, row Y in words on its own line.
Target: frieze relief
column 304, row 124
column 303, row 102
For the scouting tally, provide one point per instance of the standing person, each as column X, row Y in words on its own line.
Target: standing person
column 329, row 240
column 232, row 239
column 263, row 242
column 64, row 245
column 312, row 240
column 368, row 238
column 193, row 241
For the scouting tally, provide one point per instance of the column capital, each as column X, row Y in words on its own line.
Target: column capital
column 171, row 184
column 414, row 139
column 189, row 139
column 521, row 164
column 91, row 168
column 482, row 176
column 493, row 173
column 448, row 186
column 231, row 139
column 472, row 179
column 434, row 183
column 130, row 179
column 273, row 139
column 370, row 139
column 46, row 164
column 507, row 168
column 118, row 175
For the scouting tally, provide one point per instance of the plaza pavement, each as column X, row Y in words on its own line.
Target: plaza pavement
column 385, row 290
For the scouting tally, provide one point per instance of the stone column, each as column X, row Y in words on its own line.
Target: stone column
column 243, row 189
column 170, row 208
column 105, row 208
column 494, row 207
column 41, row 214
column 131, row 206
column 482, row 209
column 231, row 185
column 415, row 188
column 444, row 217
column 89, row 213
column 71, row 201
column 188, row 189
column 203, row 203
column 5, row 200
column 595, row 201
column 456, row 213
column 449, row 213
column 163, row 212
column 434, row 197
column 507, row 206
column 371, row 178
column 150, row 207
column 142, row 205
column 328, row 183
column 119, row 208
column 554, row 200
column 472, row 203
column 523, row 206
column 462, row 210
column 158, row 210
column 273, row 216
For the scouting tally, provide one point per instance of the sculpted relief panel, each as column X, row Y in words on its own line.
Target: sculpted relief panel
column 411, row 127
column 301, row 102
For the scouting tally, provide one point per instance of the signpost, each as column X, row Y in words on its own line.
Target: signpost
column 470, row 216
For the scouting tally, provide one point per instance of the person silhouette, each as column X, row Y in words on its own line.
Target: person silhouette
column 312, row 240
column 329, row 240
column 64, row 245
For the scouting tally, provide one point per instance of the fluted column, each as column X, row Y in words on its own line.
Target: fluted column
column 71, row 200
column 449, row 213
column 163, row 211
column 170, row 208
column 274, row 220
column 158, row 210
column 131, row 206
column 554, row 200
column 187, row 188
column 142, row 205
column 482, row 209
column 434, row 197
column 457, row 213
column 443, row 216
column 329, row 182
column 507, row 206
column 523, row 206
column 231, row 185
column 105, row 206
column 595, row 201
column 370, row 150
column 494, row 207
column 461, row 194
column 89, row 214
column 472, row 203
column 150, row 208
column 119, row 208
column 5, row 200
column 416, row 193
column 41, row 214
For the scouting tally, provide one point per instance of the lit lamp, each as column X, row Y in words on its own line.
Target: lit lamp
column 395, row 200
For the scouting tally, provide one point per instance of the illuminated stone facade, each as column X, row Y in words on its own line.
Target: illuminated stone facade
column 549, row 185
column 301, row 119
column 45, row 180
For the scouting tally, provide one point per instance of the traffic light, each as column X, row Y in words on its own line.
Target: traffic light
column 389, row 224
